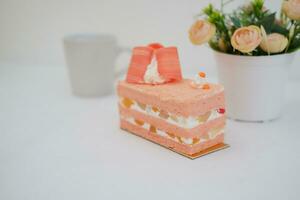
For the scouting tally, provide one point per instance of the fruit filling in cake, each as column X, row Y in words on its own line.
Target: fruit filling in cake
column 212, row 133
column 185, row 122
column 156, row 103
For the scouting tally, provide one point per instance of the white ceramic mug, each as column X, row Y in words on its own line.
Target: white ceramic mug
column 91, row 63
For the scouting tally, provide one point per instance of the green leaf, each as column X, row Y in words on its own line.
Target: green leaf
column 258, row 4
column 279, row 29
column 236, row 22
column 258, row 7
column 267, row 22
column 214, row 45
column 259, row 52
column 208, row 10
column 295, row 45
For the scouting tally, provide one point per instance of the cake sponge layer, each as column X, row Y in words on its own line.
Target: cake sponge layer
column 182, row 148
column 178, row 98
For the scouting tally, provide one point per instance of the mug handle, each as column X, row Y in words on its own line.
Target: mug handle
column 121, row 70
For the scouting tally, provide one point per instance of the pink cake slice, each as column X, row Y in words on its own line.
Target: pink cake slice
column 174, row 115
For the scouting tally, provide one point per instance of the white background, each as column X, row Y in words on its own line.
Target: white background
column 31, row 30
column 56, row 146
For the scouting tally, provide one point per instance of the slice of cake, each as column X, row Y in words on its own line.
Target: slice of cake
column 185, row 115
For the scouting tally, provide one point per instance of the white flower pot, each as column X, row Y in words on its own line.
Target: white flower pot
column 254, row 85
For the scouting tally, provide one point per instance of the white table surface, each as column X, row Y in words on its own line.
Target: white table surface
column 56, row 146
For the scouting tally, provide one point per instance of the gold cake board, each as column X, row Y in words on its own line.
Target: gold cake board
column 204, row 152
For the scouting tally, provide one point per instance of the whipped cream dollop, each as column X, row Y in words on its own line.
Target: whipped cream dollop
column 200, row 81
column 151, row 75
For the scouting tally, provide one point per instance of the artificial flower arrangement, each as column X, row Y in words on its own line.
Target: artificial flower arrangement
column 250, row 30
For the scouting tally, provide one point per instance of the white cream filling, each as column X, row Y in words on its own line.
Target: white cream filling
column 184, row 122
column 199, row 80
column 151, row 75
column 189, row 141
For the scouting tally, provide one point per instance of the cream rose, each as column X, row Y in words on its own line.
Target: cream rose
column 201, row 32
column 292, row 9
column 246, row 39
column 274, row 43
